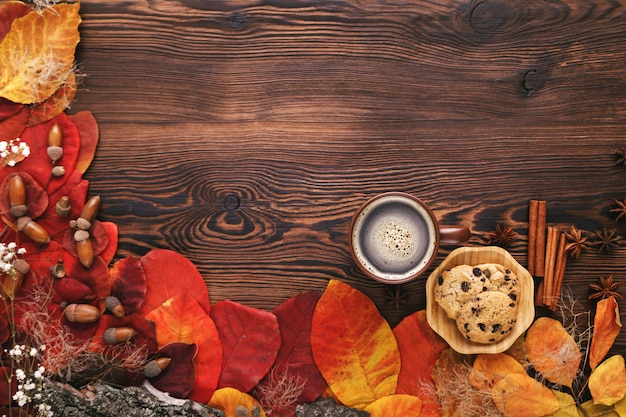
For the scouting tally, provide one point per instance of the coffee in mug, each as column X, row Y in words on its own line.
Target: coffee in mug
column 394, row 237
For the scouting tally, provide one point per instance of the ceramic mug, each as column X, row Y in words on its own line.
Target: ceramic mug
column 395, row 237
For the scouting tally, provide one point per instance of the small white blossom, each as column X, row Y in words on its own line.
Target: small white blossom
column 20, row 374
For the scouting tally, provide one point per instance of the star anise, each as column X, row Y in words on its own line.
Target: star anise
column 502, row 235
column 620, row 154
column 620, row 210
column 605, row 240
column 576, row 242
column 395, row 296
column 607, row 288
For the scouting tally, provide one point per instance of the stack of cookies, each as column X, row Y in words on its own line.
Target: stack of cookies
column 482, row 299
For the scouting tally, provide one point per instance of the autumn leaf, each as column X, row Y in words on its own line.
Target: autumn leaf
column 419, row 348
column 489, row 369
column 606, row 328
column 250, row 342
column 89, row 135
column 552, row 351
column 395, row 405
column 235, row 403
column 12, row 126
column 353, row 346
column 128, row 283
column 37, row 55
column 75, row 189
column 55, row 104
column 567, row 406
column 519, row 395
column 168, row 273
column 179, row 377
column 607, row 383
column 293, row 378
column 182, row 319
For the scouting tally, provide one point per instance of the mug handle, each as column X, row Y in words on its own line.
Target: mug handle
column 453, row 235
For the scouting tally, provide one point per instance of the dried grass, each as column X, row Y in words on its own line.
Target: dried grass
column 279, row 390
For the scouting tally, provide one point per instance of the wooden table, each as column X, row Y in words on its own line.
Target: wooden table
column 244, row 134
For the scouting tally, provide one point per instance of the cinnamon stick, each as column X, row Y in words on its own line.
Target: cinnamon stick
column 559, row 271
column 551, row 246
column 540, row 239
column 532, row 235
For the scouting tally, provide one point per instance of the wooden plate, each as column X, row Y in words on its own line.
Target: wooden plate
column 446, row 327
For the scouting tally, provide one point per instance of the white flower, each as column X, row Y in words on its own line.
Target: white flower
column 20, row 374
column 33, row 352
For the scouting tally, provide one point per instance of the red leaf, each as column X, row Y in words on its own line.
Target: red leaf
column 295, row 359
column 7, row 388
column 98, row 233
column 419, row 347
column 108, row 252
column 88, row 129
column 55, row 104
column 167, row 274
column 8, row 109
column 250, row 342
column 182, row 319
column 5, row 332
column 179, row 377
column 36, row 198
column 9, row 11
column 128, row 283
column 13, row 126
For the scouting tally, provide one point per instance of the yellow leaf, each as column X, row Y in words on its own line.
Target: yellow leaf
column 353, row 346
column 37, row 55
column 599, row 410
column 397, row 405
column 620, row 407
column 522, row 396
column 606, row 327
column 234, row 402
column 552, row 351
column 607, row 383
column 489, row 369
column 567, row 406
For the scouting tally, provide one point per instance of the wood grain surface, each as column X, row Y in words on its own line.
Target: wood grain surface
column 245, row 133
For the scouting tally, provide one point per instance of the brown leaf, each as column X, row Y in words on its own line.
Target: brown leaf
column 606, row 327
column 37, row 55
column 607, row 383
column 552, row 351
column 519, row 395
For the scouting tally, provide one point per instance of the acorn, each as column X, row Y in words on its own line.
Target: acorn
column 17, row 196
column 90, row 209
column 33, row 230
column 55, row 140
column 156, row 366
column 81, row 313
column 58, row 171
column 115, row 335
column 58, row 270
column 63, row 206
column 12, row 282
column 84, row 252
column 114, row 305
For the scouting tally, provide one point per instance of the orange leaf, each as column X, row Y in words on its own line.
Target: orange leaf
column 182, row 319
column 37, row 55
column 353, row 346
column 606, row 327
column 232, row 402
column 487, row 370
column 89, row 133
column 519, row 395
column 400, row 405
column 552, row 351
column 607, row 383
column 419, row 348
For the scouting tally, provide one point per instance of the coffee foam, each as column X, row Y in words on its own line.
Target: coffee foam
column 393, row 237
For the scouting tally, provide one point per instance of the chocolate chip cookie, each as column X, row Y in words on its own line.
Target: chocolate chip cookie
column 488, row 317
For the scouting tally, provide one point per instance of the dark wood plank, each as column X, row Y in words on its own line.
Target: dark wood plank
column 244, row 134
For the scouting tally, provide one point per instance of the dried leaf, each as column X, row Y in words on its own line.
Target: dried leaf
column 128, row 283
column 108, row 231
column 294, row 378
column 250, row 342
column 353, row 346
column 89, row 135
column 489, row 369
column 37, row 54
column 552, row 351
column 12, row 126
column 179, row 377
column 620, row 407
column 597, row 410
column 606, row 328
column 567, row 406
column 9, row 11
column 231, row 400
column 182, row 319
column 607, row 383
column 36, row 197
column 395, row 405
column 55, row 104
column 168, row 273
column 519, row 395
column 419, row 348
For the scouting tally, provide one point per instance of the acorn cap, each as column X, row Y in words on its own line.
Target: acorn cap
column 156, row 366
column 81, row 235
column 55, row 153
